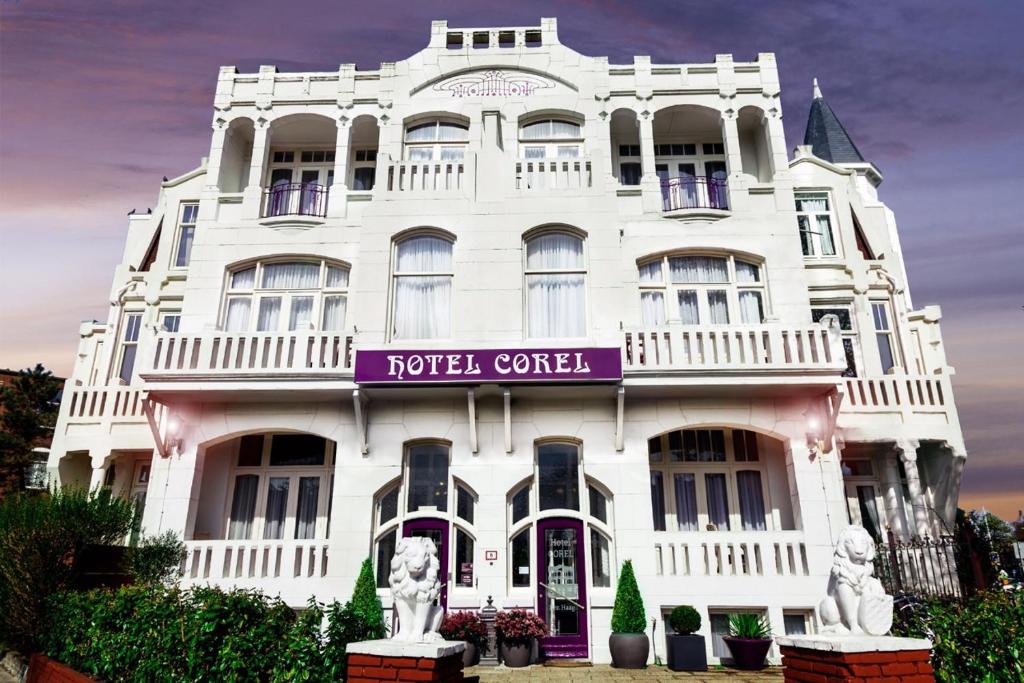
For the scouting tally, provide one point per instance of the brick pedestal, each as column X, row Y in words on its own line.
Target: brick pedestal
column 387, row 660
column 856, row 659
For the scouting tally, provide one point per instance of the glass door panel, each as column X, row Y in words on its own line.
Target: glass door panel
column 437, row 531
column 562, row 587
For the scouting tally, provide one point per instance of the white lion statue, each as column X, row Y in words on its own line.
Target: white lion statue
column 855, row 601
column 415, row 585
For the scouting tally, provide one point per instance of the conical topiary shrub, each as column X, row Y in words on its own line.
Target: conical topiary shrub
column 628, row 615
column 365, row 604
column 628, row 643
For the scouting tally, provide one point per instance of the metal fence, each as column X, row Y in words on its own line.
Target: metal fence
column 925, row 567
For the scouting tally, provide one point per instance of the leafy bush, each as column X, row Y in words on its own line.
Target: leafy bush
column 980, row 640
column 41, row 539
column 750, row 626
column 465, row 626
column 157, row 559
column 684, row 620
column 161, row 633
column 628, row 614
column 517, row 626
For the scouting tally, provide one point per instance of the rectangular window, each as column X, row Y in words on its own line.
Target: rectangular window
column 629, row 173
column 658, row 500
column 600, row 558
column 598, row 505
column 129, row 346
column 385, row 551
column 520, row 559
column 849, row 334
column 306, row 510
column 751, row 497
column 243, row 506
column 744, row 445
column 277, row 508
column 464, row 504
column 428, row 478
column 686, row 501
column 169, row 322
column 186, row 233
column 883, row 334
column 814, row 218
column 297, row 450
column 797, row 623
column 558, row 477
column 718, row 500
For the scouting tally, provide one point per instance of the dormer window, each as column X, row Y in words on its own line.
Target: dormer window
column 550, row 139
column 295, row 296
column 436, row 140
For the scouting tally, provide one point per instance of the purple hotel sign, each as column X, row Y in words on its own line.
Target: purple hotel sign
column 475, row 366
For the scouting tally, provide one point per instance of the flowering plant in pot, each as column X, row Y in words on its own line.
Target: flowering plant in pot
column 685, row 648
column 517, row 629
column 628, row 642
column 469, row 628
column 750, row 637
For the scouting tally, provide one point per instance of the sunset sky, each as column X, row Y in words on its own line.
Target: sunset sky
column 98, row 101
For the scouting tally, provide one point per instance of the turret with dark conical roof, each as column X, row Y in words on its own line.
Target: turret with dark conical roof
column 827, row 136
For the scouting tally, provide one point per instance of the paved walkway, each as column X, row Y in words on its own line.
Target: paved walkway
column 603, row 672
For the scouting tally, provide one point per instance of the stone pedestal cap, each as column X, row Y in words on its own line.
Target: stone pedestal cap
column 858, row 643
column 399, row 648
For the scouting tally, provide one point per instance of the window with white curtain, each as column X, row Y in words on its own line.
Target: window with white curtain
column 279, row 487
column 550, row 139
column 882, row 317
column 556, row 277
column 131, row 324
column 186, row 234
column 708, row 479
column 436, row 140
column 422, row 288
column 814, row 217
column 272, row 296
column 701, row 289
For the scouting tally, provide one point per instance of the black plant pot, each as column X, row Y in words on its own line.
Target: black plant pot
column 748, row 653
column 516, row 655
column 471, row 655
column 629, row 650
column 686, row 652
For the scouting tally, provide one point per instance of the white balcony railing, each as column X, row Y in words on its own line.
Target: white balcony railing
column 282, row 354
column 93, row 404
column 553, row 174
column 731, row 553
column 710, row 348
column 903, row 397
column 444, row 177
column 248, row 560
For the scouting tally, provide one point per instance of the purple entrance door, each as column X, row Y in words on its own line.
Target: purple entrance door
column 437, row 531
column 562, row 587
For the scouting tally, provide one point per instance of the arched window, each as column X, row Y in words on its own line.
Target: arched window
column 428, row 501
column 550, row 139
column 564, row 515
column 437, row 140
column 556, row 285
column 709, row 479
column 271, row 296
column 699, row 289
column 422, row 278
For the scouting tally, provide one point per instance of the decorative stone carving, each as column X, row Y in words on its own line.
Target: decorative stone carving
column 856, row 602
column 415, row 586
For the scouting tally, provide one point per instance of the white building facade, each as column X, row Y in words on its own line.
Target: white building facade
column 553, row 312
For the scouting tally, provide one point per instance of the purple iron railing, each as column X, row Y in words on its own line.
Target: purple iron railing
column 694, row 192
column 295, row 199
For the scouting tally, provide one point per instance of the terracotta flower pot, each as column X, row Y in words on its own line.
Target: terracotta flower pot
column 629, row 650
column 471, row 655
column 748, row 653
column 516, row 655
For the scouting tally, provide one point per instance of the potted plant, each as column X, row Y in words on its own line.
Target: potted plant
column 750, row 637
column 469, row 628
column 686, row 651
column 517, row 630
column 628, row 642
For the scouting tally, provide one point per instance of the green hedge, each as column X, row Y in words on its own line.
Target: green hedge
column 981, row 640
column 158, row 633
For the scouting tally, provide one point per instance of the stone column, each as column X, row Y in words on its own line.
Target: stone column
column 221, row 133
column 775, row 136
column 731, row 142
column 253, row 198
column 99, row 473
column 337, row 198
column 892, row 492
column 388, row 151
column 908, row 454
column 650, row 185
